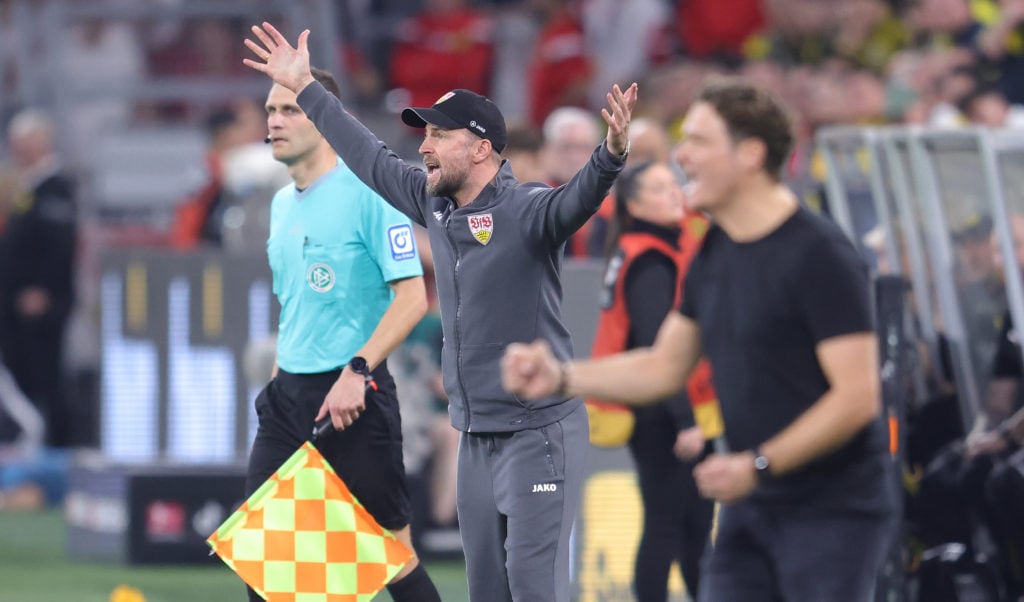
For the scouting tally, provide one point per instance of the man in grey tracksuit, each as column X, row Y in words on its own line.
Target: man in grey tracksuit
column 497, row 248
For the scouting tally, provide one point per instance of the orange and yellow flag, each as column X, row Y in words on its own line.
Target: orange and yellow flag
column 704, row 401
column 303, row 537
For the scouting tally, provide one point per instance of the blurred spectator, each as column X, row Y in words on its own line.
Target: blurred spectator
column 987, row 106
column 570, row 137
column 994, row 443
column 198, row 219
column 942, row 23
column 648, row 143
column 1002, row 43
column 668, row 91
column 843, row 96
column 868, row 33
column 237, row 161
column 37, row 259
column 644, row 273
column 523, row 150
column 229, row 207
column 561, row 69
column 978, row 278
column 767, row 74
column 863, row 33
column 926, row 83
column 951, row 85
column 624, row 37
column 447, row 45
column 797, row 32
column 251, row 177
column 1004, row 394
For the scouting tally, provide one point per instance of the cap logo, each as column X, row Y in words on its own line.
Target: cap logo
column 446, row 96
column 476, row 126
column 482, row 227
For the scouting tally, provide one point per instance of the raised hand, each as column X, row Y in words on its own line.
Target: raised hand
column 617, row 116
column 284, row 64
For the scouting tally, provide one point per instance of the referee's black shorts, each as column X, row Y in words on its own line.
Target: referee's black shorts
column 367, row 455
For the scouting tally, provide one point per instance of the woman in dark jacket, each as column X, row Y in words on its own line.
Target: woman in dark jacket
column 642, row 285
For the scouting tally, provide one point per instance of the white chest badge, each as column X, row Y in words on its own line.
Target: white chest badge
column 481, row 226
column 320, row 277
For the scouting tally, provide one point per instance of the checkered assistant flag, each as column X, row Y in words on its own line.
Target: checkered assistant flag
column 303, row 537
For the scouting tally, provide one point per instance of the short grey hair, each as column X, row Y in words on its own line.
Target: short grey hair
column 31, row 122
column 563, row 116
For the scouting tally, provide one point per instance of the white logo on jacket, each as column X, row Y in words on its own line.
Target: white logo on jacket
column 481, row 226
column 320, row 277
column 401, row 241
column 544, row 487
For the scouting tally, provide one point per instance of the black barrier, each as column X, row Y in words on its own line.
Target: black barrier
column 897, row 386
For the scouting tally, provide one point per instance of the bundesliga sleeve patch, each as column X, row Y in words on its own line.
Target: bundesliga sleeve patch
column 401, row 241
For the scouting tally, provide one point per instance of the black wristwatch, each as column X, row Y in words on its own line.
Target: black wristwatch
column 359, row 366
column 762, row 466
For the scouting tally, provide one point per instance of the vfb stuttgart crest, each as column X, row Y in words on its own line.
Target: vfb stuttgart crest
column 482, row 227
column 320, row 277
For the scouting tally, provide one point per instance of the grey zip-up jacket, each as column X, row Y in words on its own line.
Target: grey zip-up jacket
column 497, row 263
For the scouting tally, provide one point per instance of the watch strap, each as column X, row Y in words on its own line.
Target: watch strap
column 762, row 466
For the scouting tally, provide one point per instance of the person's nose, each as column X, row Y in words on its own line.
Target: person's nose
column 274, row 122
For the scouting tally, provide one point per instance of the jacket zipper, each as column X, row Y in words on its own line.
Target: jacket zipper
column 458, row 320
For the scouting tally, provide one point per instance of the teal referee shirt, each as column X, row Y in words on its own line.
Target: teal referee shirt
column 333, row 249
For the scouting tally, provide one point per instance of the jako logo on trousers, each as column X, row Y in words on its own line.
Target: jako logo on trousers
column 542, row 487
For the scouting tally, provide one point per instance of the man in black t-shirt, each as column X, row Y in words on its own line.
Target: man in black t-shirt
column 778, row 300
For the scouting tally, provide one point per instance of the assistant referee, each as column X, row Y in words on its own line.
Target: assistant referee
column 349, row 280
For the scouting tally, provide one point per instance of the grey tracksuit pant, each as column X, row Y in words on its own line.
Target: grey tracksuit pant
column 517, row 496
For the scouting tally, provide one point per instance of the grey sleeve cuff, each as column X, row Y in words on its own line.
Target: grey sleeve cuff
column 311, row 95
column 606, row 159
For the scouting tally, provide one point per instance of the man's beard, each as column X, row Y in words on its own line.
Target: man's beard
column 447, row 184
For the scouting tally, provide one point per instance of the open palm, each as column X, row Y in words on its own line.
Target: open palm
column 286, row 65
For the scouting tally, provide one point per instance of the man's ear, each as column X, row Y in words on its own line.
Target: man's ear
column 752, row 153
column 482, row 150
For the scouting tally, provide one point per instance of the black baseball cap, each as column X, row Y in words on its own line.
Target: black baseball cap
column 462, row 109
